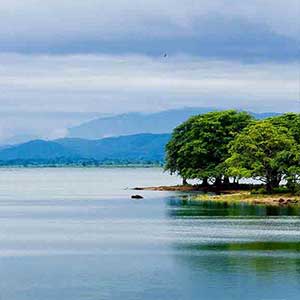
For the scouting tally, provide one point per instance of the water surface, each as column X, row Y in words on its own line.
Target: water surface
column 76, row 234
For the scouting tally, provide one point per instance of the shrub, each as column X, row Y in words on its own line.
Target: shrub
column 259, row 191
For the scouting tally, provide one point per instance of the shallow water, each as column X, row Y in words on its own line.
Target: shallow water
column 76, row 234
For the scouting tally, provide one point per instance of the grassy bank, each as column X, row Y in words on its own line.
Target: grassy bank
column 231, row 195
column 255, row 199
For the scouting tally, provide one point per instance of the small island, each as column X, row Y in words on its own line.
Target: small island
column 221, row 149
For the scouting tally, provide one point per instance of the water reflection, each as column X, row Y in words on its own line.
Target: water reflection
column 185, row 207
column 252, row 265
column 236, row 238
column 247, row 246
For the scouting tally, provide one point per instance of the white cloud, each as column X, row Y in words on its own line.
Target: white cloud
column 134, row 83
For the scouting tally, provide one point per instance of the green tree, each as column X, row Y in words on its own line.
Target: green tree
column 199, row 147
column 263, row 151
column 291, row 121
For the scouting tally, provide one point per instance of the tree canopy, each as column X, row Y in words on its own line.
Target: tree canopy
column 262, row 151
column 199, row 147
column 224, row 144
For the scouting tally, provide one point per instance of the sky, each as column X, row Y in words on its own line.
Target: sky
column 67, row 61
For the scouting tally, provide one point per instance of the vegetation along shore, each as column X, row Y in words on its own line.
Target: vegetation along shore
column 222, row 148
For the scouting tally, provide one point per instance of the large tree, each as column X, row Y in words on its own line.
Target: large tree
column 199, row 147
column 264, row 151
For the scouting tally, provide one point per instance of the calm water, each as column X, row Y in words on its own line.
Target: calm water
column 70, row 234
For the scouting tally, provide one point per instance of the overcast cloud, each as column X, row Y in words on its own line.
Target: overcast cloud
column 108, row 57
column 88, row 83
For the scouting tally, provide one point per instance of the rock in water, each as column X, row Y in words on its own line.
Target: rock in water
column 137, row 197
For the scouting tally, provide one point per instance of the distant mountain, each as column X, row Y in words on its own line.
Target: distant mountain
column 141, row 148
column 126, row 148
column 3, row 147
column 132, row 147
column 135, row 123
column 37, row 149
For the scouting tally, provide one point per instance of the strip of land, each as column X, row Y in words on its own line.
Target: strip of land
column 242, row 196
column 230, row 195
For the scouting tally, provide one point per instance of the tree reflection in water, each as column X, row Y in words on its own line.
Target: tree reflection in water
column 236, row 238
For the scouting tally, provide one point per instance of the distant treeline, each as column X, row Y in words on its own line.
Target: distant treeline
column 63, row 162
column 220, row 148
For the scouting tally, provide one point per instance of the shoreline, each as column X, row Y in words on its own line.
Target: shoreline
column 230, row 195
column 78, row 166
column 253, row 199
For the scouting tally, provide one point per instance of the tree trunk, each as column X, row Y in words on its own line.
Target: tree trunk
column 184, row 181
column 218, row 182
column 226, row 180
column 291, row 183
column 272, row 183
column 269, row 188
column 205, row 182
column 235, row 181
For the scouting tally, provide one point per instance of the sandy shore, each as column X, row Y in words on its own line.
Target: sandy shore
column 178, row 188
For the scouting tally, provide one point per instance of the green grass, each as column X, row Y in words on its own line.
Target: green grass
column 242, row 196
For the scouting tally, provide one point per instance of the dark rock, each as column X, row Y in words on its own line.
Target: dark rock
column 281, row 200
column 137, row 197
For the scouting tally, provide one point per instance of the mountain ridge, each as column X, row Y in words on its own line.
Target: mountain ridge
column 135, row 123
column 139, row 148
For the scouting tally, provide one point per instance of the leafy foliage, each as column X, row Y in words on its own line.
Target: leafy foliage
column 199, row 147
column 262, row 151
column 228, row 143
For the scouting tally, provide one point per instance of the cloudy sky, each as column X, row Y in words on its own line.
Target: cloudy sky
column 65, row 61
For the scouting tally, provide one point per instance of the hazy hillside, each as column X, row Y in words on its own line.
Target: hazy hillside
column 37, row 149
column 141, row 148
column 134, row 123
column 132, row 147
column 128, row 147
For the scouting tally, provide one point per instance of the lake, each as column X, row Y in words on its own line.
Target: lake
column 71, row 233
